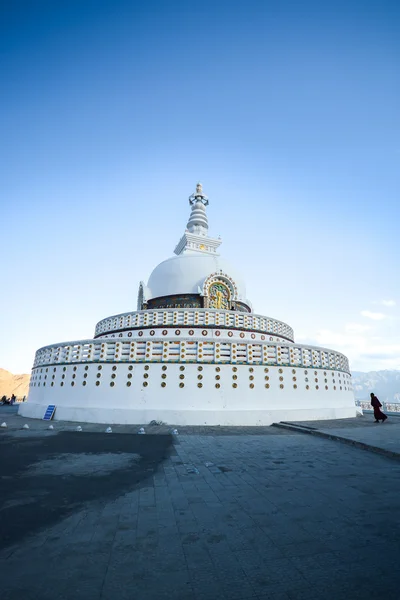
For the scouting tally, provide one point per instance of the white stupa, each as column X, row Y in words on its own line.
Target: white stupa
column 192, row 353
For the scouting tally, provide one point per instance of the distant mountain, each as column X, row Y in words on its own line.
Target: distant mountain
column 385, row 384
column 13, row 384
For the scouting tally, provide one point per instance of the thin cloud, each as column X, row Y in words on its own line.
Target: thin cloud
column 356, row 328
column 388, row 302
column 373, row 315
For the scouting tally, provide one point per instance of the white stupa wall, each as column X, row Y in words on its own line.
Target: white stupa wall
column 111, row 393
column 187, row 382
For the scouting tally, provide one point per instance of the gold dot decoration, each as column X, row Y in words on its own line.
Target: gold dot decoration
column 317, row 387
column 145, row 383
column 114, row 368
column 164, row 367
column 251, row 370
column 182, row 368
column 163, row 376
column 199, row 385
column 307, row 387
column 146, row 368
column 294, row 371
column 181, row 385
column 316, row 380
column 112, row 384
column 281, row 386
column 217, row 369
column 280, row 378
column 72, row 383
column 234, row 376
column 181, row 377
column 128, row 384
column 199, row 376
column 266, row 370
column 97, row 383
column 251, row 377
column 251, row 385
column 199, row 368
column 99, row 368
column 280, row 370
column 62, row 383
column 234, row 385
column 267, row 385
column 217, row 385
column 163, row 384
column 295, row 386
column 145, row 375
column 234, row 369
column 98, row 375
column 73, row 369
column 326, row 387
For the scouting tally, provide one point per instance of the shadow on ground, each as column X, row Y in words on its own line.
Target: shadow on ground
column 45, row 479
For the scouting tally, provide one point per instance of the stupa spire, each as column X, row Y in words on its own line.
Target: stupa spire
column 198, row 222
column 198, row 196
column 196, row 238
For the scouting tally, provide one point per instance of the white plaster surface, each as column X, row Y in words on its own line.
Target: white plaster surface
column 146, row 398
column 186, row 273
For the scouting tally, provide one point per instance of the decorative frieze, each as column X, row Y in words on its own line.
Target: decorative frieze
column 187, row 317
column 185, row 350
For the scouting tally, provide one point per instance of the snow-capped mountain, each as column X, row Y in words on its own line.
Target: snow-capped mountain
column 385, row 384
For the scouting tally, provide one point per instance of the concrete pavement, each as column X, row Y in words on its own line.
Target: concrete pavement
column 271, row 514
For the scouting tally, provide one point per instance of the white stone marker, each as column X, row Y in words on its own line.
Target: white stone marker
column 3, row 424
column 108, row 430
column 25, row 426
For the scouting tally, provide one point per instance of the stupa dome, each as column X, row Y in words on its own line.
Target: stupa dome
column 186, row 274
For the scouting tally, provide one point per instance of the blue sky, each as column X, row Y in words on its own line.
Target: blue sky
column 286, row 111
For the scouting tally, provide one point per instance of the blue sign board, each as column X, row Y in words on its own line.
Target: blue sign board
column 48, row 415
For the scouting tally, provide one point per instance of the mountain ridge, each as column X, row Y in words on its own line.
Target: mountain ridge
column 385, row 384
column 13, row 384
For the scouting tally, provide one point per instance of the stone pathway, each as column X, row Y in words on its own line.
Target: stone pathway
column 275, row 515
column 378, row 437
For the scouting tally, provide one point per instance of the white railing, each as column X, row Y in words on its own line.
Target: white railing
column 386, row 406
column 194, row 317
column 191, row 350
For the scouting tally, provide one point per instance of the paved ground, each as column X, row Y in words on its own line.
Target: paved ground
column 384, row 436
column 271, row 515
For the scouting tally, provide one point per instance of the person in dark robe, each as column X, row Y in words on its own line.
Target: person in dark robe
column 378, row 414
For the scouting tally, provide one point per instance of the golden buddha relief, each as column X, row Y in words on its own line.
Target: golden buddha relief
column 219, row 295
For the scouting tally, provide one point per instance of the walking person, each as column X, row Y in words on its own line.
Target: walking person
column 378, row 414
